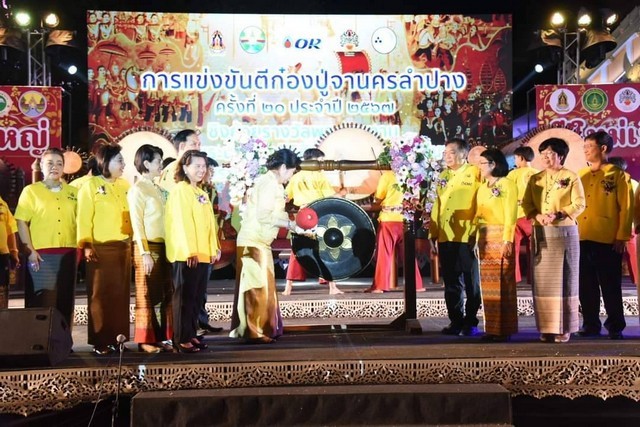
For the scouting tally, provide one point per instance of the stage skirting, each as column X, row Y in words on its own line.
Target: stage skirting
column 28, row 392
column 348, row 308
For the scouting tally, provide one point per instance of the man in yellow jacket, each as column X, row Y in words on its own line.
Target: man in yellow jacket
column 450, row 230
column 604, row 228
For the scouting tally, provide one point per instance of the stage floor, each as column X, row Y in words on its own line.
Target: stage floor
column 341, row 351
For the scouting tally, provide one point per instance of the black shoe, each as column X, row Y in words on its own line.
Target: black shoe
column 616, row 336
column 209, row 328
column 451, row 330
column 588, row 333
column 469, row 331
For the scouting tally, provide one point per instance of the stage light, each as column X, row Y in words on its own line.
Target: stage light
column 584, row 18
column 557, row 20
column 610, row 17
column 538, row 68
column 23, row 19
column 51, row 20
column 72, row 69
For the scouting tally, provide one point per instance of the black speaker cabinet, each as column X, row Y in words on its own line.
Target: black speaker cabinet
column 32, row 337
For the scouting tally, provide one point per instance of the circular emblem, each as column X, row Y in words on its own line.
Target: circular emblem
column 627, row 100
column 594, row 100
column 252, row 39
column 32, row 103
column 384, row 40
column 5, row 104
column 562, row 101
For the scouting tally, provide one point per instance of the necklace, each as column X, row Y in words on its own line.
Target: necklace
column 55, row 187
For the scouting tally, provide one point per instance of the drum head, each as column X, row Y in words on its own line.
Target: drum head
column 345, row 243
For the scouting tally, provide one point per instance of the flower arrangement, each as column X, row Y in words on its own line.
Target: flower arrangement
column 416, row 164
column 248, row 162
column 563, row 183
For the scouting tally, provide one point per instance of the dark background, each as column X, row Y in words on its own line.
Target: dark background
column 528, row 16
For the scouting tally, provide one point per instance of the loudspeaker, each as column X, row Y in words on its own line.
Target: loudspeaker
column 33, row 337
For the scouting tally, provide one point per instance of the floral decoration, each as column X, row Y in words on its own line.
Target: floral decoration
column 248, row 162
column 608, row 186
column 495, row 192
column 202, row 199
column 563, row 183
column 416, row 163
column 102, row 190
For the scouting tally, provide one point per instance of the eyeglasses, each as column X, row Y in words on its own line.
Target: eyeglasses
column 548, row 153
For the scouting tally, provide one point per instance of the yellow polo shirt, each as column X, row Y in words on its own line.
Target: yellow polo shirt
column 8, row 226
column 554, row 192
column 103, row 211
column 455, row 204
column 521, row 177
column 190, row 227
column 51, row 216
column 497, row 205
column 608, row 213
column 308, row 186
column 79, row 182
column 391, row 198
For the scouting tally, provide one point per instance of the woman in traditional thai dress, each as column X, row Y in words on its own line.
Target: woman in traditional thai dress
column 497, row 202
column 256, row 313
column 192, row 246
column 104, row 234
column 153, row 271
column 553, row 200
column 46, row 216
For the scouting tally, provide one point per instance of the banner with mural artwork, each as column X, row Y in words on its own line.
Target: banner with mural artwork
column 290, row 79
column 30, row 123
column 588, row 108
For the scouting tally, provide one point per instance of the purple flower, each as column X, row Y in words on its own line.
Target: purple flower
column 202, row 199
column 564, row 183
column 495, row 192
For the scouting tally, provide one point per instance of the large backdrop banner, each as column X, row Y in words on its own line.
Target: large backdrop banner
column 290, row 79
column 588, row 108
column 30, row 123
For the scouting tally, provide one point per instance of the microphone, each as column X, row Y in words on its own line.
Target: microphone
column 120, row 339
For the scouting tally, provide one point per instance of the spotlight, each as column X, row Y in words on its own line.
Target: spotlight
column 23, row 19
column 538, row 68
column 51, row 20
column 72, row 69
column 610, row 17
column 557, row 20
column 584, row 18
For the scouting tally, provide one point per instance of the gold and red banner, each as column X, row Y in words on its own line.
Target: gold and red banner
column 583, row 109
column 30, row 123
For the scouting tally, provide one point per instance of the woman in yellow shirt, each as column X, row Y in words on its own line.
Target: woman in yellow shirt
column 495, row 222
column 553, row 200
column 104, row 235
column 8, row 250
column 192, row 245
column 46, row 216
column 153, row 273
column 256, row 313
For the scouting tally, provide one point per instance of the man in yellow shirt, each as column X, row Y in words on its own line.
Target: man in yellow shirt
column 520, row 175
column 8, row 250
column 185, row 140
column 303, row 188
column 604, row 227
column 450, row 229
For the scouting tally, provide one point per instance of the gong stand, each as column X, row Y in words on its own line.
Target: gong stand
column 408, row 319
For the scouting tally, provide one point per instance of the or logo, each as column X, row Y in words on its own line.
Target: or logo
column 627, row 100
column 594, row 100
column 5, row 104
column 32, row 103
column 217, row 43
column 252, row 39
column 302, row 43
column 349, row 40
column 384, row 40
column 562, row 101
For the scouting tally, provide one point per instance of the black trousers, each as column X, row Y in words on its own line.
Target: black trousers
column 460, row 273
column 188, row 286
column 601, row 270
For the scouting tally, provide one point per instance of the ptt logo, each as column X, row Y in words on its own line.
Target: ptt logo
column 302, row 43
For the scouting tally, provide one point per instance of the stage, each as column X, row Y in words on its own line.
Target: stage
column 341, row 340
